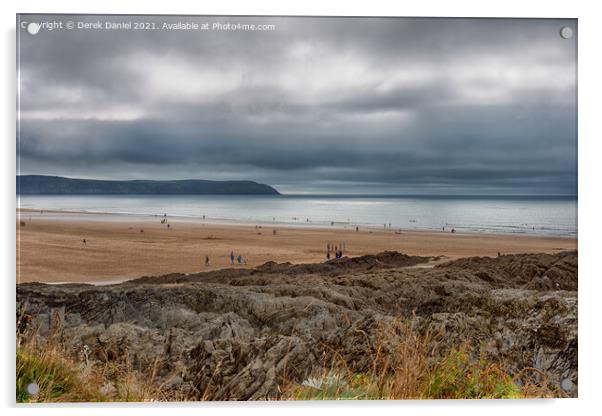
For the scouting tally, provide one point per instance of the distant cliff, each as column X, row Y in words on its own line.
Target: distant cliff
column 56, row 185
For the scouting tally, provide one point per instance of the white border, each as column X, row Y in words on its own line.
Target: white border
column 590, row 68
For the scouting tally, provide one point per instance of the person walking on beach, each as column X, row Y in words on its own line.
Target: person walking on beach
column 239, row 259
column 206, row 261
column 84, row 241
column 231, row 258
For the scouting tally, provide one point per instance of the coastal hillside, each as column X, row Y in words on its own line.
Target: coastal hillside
column 376, row 326
column 56, row 185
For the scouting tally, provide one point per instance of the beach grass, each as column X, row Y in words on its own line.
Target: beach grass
column 402, row 366
column 46, row 371
column 406, row 369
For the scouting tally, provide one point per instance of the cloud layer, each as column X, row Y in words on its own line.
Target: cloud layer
column 354, row 105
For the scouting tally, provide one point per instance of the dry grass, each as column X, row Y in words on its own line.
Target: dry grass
column 403, row 366
column 67, row 376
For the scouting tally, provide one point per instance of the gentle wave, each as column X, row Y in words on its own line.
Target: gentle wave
column 538, row 216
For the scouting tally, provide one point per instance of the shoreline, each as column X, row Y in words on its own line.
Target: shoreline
column 225, row 222
column 50, row 246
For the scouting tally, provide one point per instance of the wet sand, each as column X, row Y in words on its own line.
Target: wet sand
column 50, row 247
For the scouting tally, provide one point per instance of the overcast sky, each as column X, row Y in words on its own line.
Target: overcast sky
column 353, row 105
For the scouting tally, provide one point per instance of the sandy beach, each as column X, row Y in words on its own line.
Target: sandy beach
column 50, row 246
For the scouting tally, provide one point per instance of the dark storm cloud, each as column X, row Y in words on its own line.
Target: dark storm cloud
column 320, row 104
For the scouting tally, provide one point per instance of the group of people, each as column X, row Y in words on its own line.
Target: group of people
column 336, row 250
column 240, row 259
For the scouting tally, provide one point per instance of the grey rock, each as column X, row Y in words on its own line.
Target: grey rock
column 239, row 334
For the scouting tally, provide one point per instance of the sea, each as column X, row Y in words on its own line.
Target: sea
column 537, row 215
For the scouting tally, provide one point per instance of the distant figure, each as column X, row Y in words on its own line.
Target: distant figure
column 328, row 248
column 443, row 228
column 141, row 230
column 453, row 230
column 274, row 231
column 498, row 254
column 167, row 226
column 328, row 255
column 331, row 223
column 231, row 258
column 357, row 228
column 84, row 241
column 206, row 261
column 203, row 217
column 239, row 259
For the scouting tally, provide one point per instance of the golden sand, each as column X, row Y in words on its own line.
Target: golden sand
column 50, row 247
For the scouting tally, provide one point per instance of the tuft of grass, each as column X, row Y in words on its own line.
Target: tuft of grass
column 62, row 376
column 457, row 376
column 53, row 375
column 398, row 363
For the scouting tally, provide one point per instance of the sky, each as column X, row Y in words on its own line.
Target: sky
column 317, row 105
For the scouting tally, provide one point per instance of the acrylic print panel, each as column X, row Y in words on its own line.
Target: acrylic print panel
column 295, row 208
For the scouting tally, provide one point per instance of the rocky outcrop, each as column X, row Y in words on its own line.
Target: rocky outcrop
column 237, row 334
